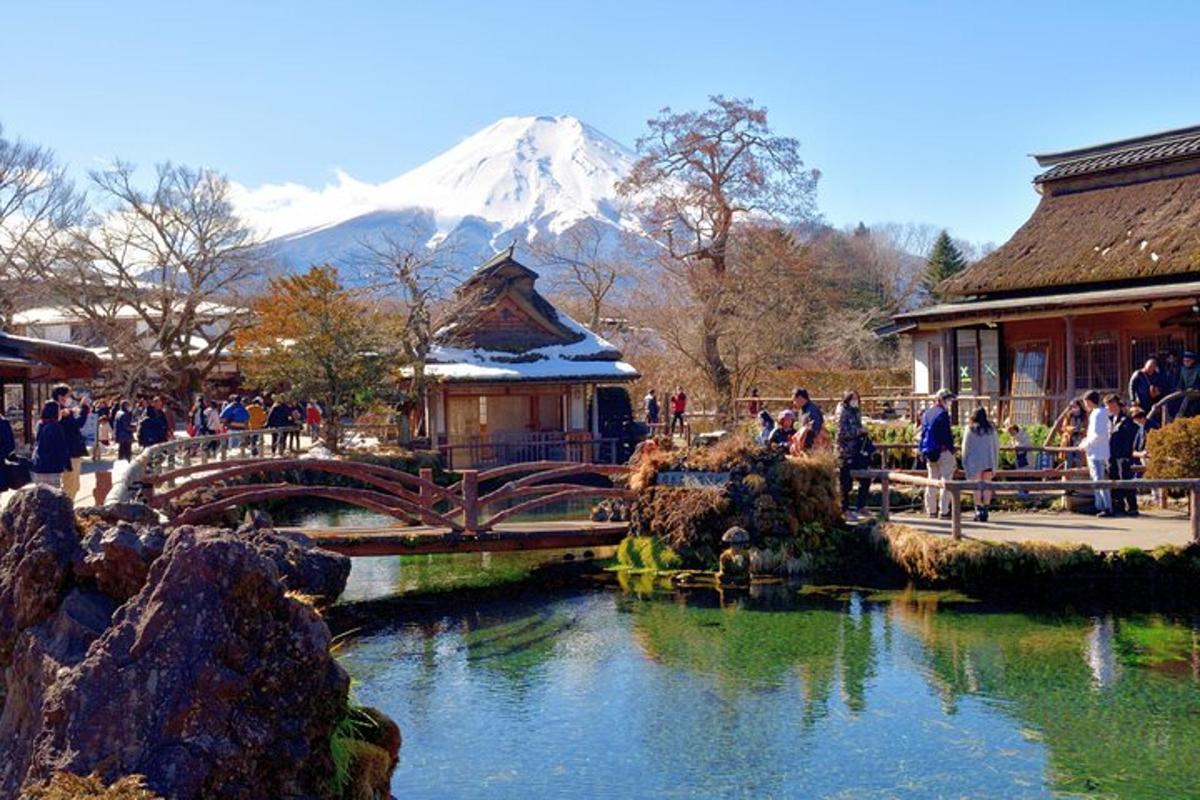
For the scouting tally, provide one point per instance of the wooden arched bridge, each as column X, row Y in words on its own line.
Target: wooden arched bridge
column 431, row 518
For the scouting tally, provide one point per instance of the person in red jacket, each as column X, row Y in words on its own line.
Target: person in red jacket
column 678, row 409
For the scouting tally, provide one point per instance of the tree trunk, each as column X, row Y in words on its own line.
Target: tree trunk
column 717, row 373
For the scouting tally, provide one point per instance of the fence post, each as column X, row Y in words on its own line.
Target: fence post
column 103, row 486
column 426, row 475
column 470, row 490
column 1194, row 511
column 955, row 514
column 885, row 503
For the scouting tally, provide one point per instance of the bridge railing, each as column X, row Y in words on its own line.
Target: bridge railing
column 186, row 452
column 461, row 507
column 1024, row 484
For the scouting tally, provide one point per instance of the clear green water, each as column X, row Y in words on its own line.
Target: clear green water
column 622, row 694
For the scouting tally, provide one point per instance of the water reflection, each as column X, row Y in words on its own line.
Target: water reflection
column 768, row 694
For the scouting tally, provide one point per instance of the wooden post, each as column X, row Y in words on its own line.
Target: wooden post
column 1194, row 511
column 103, row 486
column 426, row 474
column 955, row 514
column 470, row 490
column 1069, row 354
column 885, row 503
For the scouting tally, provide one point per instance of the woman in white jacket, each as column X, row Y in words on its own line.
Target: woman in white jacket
column 981, row 458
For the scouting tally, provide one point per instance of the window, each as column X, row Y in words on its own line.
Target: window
column 1029, row 361
column 935, row 368
column 1154, row 345
column 978, row 360
column 1096, row 362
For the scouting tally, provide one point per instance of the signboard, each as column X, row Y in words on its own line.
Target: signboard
column 692, row 480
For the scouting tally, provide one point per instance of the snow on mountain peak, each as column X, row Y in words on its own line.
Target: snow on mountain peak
column 527, row 174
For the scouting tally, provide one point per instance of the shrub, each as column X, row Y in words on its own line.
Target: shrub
column 646, row 554
column 1175, row 450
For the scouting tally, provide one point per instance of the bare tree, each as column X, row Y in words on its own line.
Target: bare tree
column 584, row 261
column 700, row 176
column 38, row 208
column 153, row 269
column 413, row 279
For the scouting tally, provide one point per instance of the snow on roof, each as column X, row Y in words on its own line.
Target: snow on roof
column 590, row 358
column 60, row 315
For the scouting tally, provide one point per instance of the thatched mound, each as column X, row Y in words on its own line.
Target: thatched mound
column 786, row 503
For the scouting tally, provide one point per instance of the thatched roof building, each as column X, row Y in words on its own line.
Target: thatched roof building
column 1104, row 274
column 513, row 377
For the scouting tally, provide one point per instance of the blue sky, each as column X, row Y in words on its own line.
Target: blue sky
column 912, row 111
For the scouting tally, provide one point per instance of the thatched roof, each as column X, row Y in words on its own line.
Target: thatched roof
column 41, row 359
column 1148, row 230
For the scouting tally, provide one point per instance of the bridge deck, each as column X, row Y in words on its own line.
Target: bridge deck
column 418, row 540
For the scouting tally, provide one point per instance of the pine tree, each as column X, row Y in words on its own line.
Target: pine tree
column 945, row 260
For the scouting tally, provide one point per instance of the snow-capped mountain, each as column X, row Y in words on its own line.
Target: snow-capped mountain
column 521, row 178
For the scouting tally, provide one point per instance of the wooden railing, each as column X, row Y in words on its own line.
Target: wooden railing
column 1021, row 484
column 418, row 499
column 202, row 450
column 562, row 446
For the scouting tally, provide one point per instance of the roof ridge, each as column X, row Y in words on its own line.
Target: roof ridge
column 1115, row 146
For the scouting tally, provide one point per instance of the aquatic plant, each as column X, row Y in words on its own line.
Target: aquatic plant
column 646, row 554
column 362, row 763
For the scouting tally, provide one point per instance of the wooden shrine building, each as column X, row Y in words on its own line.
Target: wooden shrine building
column 28, row 369
column 512, row 377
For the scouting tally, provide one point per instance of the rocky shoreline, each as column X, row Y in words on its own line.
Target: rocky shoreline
column 194, row 657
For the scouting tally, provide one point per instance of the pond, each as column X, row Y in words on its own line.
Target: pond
column 634, row 692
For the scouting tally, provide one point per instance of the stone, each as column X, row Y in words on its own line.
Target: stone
column 257, row 520
column 112, row 513
column 211, row 681
column 38, row 550
column 117, row 559
column 734, row 563
column 303, row 567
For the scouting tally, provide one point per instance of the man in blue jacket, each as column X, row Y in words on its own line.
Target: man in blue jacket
column 51, row 458
column 937, row 448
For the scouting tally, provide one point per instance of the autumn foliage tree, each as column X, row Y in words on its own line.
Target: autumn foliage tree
column 703, row 177
column 317, row 339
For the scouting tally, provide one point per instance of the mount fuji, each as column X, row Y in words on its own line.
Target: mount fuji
column 522, row 179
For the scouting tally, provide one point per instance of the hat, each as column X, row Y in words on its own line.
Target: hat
column 736, row 535
column 944, row 394
column 787, row 413
column 1190, row 354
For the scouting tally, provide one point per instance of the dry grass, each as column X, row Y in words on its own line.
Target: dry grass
column 65, row 786
column 1175, row 450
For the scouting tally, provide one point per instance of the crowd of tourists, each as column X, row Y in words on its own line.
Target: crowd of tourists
column 71, row 428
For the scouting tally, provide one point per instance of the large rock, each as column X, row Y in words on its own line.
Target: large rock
column 38, row 550
column 117, row 559
column 303, row 567
column 211, row 682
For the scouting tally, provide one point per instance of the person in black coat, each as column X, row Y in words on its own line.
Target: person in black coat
column 153, row 428
column 1121, row 442
column 123, row 431
column 280, row 416
column 8, row 446
column 51, row 457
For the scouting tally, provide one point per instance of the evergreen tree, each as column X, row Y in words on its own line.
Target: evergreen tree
column 945, row 260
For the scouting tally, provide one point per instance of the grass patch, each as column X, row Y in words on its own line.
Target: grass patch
column 66, row 786
column 646, row 554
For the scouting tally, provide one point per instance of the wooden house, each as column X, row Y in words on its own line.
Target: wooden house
column 515, row 379
column 1103, row 275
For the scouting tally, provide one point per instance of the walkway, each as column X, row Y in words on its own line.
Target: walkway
column 1153, row 528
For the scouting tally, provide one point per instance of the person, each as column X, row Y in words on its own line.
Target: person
column 8, row 446
column 981, row 458
column 678, row 409
column 812, row 421
column 1096, row 451
column 765, row 425
column 784, row 430
column 123, row 431
column 296, row 423
column 256, row 421
column 280, row 416
column 1072, row 431
column 152, row 429
column 198, row 418
column 753, row 406
column 1142, row 428
column 936, row 446
column 51, row 457
column 1021, row 441
column 167, row 409
column 312, row 418
column 1189, row 381
column 650, row 404
column 1167, row 379
column 235, row 417
column 853, row 447
column 72, row 429
column 103, row 430
column 1122, row 432
column 1143, row 385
